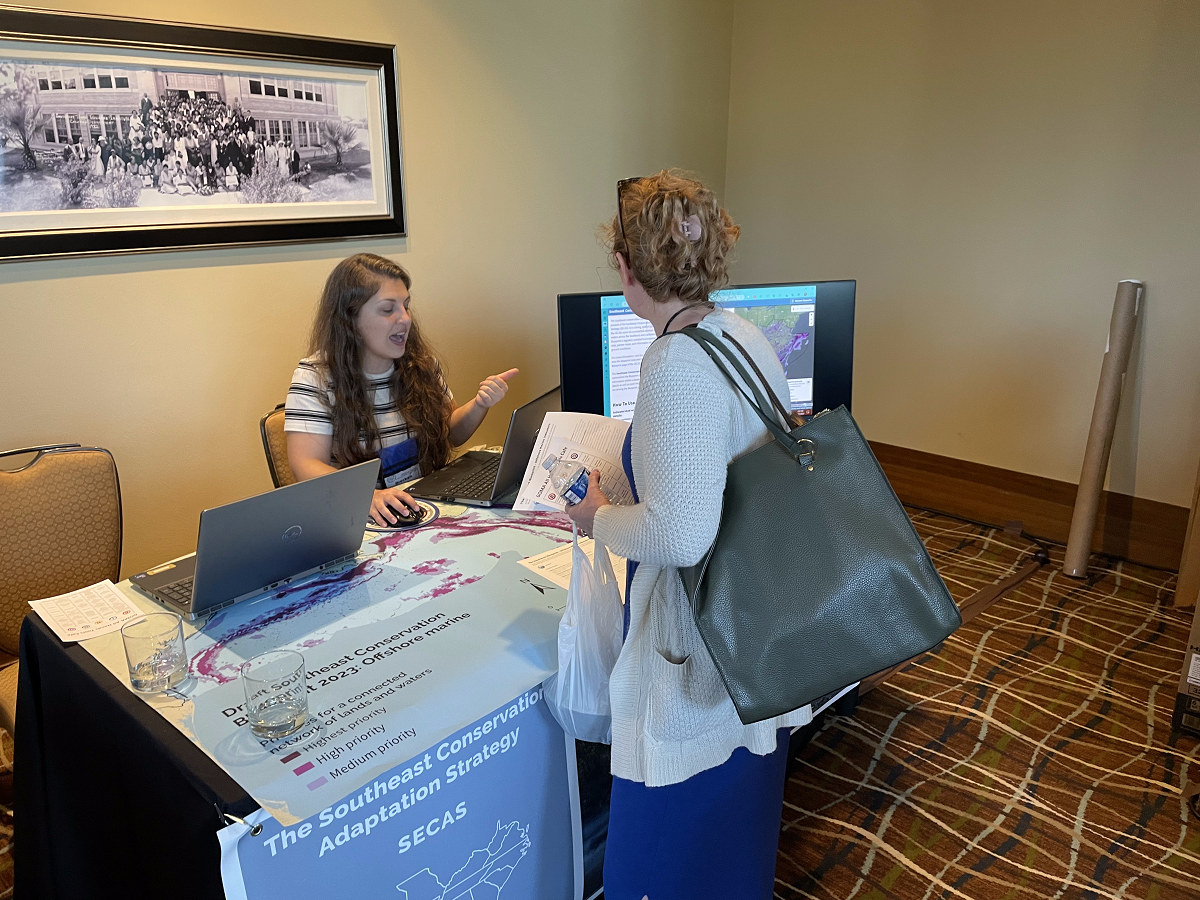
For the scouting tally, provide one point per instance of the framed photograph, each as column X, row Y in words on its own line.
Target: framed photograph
column 120, row 135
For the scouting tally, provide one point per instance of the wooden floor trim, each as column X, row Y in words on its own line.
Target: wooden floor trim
column 1142, row 531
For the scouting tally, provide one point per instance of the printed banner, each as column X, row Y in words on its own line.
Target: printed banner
column 490, row 811
column 380, row 693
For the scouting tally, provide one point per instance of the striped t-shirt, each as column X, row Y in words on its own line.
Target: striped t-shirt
column 310, row 399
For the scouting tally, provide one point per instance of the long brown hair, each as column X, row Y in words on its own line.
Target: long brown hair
column 416, row 384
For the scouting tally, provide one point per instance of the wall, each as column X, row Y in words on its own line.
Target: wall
column 988, row 172
column 517, row 119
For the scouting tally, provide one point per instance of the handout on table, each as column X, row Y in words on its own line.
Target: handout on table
column 88, row 612
column 555, row 565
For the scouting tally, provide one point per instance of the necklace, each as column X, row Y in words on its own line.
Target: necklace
column 676, row 315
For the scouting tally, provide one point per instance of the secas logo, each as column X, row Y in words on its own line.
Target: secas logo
column 407, row 841
column 432, row 827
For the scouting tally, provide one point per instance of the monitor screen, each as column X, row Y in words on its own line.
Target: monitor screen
column 601, row 343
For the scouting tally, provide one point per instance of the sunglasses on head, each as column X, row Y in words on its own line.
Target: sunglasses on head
column 621, row 185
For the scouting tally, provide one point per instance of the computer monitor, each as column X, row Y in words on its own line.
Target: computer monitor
column 810, row 324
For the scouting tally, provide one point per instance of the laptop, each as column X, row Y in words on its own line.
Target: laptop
column 482, row 477
column 262, row 543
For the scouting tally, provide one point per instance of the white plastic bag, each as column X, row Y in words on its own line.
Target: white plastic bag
column 589, row 641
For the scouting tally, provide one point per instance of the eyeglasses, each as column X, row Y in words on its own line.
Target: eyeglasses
column 621, row 185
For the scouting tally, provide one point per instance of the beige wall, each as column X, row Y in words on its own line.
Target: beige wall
column 988, row 172
column 518, row 118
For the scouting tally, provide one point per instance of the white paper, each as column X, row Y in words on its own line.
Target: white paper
column 1193, row 670
column 555, row 565
column 231, row 864
column 825, row 702
column 88, row 612
column 592, row 440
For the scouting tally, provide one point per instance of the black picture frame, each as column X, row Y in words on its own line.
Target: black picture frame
column 105, row 33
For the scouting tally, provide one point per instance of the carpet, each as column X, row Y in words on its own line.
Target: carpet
column 1031, row 758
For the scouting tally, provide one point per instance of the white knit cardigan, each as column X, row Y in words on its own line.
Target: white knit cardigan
column 672, row 716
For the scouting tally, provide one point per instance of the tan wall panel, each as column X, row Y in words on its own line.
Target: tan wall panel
column 988, row 172
column 518, row 119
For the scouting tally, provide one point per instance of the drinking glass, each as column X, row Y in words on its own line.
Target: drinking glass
column 155, row 653
column 276, row 693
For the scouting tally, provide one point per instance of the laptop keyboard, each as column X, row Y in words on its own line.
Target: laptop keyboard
column 180, row 591
column 481, row 481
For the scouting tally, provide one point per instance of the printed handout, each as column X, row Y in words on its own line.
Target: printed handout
column 88, row 612
column 594, row 441
column 555, row 565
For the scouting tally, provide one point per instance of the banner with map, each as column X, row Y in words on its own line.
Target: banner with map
column 486, row 816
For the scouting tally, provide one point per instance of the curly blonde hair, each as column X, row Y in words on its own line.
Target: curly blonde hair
column 659, row 253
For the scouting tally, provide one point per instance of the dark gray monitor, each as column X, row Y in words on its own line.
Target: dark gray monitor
column 810, row 324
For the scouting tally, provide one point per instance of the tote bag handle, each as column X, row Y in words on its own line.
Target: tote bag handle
column 802, row 450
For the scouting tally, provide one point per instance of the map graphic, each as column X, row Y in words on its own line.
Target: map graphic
column 790, row 333
column 396, row 572
column 366, row 713
column 484, row 875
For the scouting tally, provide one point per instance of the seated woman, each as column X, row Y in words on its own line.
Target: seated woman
column 371, row 387
column 166, row 177
column 697, row 796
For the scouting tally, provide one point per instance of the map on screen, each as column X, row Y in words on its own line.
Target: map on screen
column 786, row 314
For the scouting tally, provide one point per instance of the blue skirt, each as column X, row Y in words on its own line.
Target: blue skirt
column 715, row 835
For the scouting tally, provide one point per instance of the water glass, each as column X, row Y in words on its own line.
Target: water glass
column 276, row 693
column 155, row 652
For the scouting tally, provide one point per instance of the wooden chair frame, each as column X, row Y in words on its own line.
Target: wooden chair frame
column 262, row 430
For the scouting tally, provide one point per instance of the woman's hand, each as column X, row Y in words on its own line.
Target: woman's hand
column 383, row 502
column 583, row 513
column 493, row 388
column 465, row 419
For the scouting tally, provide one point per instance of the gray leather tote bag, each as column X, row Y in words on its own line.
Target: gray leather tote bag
column 817, row 577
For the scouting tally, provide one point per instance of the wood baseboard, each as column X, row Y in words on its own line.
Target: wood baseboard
column 1142, row 531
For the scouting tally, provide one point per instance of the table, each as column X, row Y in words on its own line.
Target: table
column 110, row 793
column 113, row 794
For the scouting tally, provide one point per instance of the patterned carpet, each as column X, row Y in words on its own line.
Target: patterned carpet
column 1031, row 758
column 6, row 816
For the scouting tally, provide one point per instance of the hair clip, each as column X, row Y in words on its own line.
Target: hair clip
column 690, row 228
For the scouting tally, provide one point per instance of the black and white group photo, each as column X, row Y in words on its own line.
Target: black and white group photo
column 82, row 136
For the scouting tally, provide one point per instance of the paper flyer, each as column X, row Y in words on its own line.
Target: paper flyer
column 555, row 565
column 594, row 441
column 88, row 612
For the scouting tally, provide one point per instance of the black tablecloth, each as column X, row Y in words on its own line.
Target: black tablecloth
column 109, row 798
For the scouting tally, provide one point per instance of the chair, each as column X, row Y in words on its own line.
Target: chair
column 275, row 446
column 60, row 515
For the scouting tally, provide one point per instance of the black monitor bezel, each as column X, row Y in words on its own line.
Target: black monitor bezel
column 579, row 339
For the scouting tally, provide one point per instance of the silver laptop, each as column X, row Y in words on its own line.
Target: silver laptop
column 262, row 543
column 483, row 477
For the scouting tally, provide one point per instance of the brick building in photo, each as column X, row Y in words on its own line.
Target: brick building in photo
column 100, row 101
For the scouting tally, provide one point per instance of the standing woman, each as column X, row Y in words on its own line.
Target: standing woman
column 371, row 387
column 285, row 160
column 697, row 796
